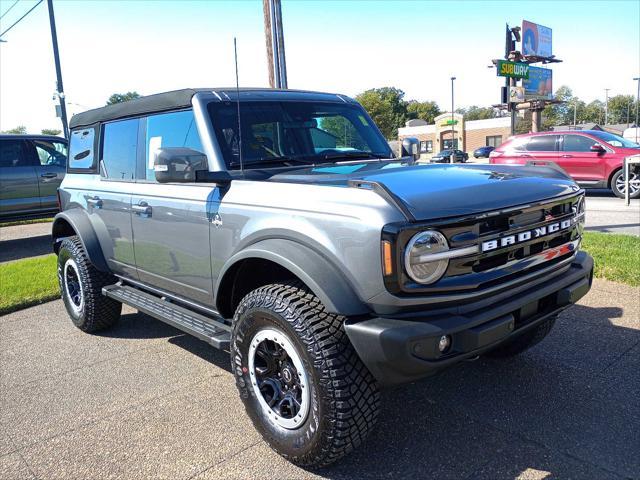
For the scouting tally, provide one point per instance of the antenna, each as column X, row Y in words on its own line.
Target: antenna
column 235, row 53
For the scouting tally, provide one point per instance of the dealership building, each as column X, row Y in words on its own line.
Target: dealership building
column 463, row 135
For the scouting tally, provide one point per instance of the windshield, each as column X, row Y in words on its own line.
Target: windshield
column 285, row 133
column 615, row 140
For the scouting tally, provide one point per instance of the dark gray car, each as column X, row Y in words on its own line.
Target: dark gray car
column 31, row 170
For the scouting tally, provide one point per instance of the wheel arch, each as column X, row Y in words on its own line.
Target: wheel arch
column 76, row 222
column 613, row 172
column 273, row 260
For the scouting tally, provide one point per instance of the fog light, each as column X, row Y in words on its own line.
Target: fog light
column 444, row 343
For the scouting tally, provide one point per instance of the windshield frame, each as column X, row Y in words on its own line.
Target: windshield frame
column 377, row 144
column 601, row 137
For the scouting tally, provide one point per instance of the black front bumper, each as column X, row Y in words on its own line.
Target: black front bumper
column 398, row 350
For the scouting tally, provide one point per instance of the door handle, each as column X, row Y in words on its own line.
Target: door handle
column 95, row 202
column 567, row 156
column 525, row 155
column 142, row 209
column 49, row 175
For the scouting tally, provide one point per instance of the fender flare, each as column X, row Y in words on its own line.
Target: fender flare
column 322, row 277
column 79, row 221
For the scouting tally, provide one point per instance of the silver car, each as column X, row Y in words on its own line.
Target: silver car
column 31, row 170
column 277, row 225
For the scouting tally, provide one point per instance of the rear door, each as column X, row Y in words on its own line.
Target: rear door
column 50, row 168
column 171, row 221
column 18, row 182
column 541, row 147
column 579, row 161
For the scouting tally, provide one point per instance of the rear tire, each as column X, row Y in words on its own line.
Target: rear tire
column 524, row 341
column 617, row 184
column 81, row 289
column 280, row 332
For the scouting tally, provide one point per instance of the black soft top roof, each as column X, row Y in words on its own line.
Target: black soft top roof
column 177, row 99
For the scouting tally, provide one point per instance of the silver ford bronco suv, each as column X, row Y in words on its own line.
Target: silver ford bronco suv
column 277, row 225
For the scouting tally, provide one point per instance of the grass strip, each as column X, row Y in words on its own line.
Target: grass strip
column 28, row 221
column 617, row 257
column 28, row 282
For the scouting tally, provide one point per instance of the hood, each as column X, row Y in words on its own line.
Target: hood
column 443, row 190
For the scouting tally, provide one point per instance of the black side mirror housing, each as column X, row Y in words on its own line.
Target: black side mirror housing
column 411, row 148
column 177, row 164
column 597, row 148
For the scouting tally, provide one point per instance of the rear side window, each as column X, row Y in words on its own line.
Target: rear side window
column 119, row 150
column 12, row 154
column 175, row 129
column 542, row 143
column 577, row 143
column 81, row 149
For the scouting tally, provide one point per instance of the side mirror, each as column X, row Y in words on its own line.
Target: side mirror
column 411, row 148
column 597, row 148
column 177, row 164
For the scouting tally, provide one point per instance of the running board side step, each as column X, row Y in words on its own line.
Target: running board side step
column 205, row 328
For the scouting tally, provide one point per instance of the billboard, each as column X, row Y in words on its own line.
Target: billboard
column 516, row 94
column 536, row 39
column 539, row 85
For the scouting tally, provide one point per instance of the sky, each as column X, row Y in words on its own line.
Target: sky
column 335, row 46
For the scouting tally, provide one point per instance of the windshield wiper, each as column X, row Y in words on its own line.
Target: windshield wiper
column 351, row 154
column 282, row 159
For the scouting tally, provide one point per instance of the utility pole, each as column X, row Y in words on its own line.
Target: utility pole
column 606, row 106
column 453, row 127
column 56, row 58
column 272, row 11
column 575, row 111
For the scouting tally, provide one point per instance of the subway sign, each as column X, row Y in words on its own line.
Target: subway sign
column 512, row 69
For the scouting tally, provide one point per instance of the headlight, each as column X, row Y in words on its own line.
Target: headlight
column 421, row 260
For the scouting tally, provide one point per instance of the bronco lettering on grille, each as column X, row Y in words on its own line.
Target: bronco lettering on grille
column 528, row 235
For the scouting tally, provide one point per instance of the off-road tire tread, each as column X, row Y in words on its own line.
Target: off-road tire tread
column 524, row 341
column 350, row 389
column 100, row 312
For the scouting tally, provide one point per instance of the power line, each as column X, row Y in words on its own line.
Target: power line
column 8, row 9
column 20, row 19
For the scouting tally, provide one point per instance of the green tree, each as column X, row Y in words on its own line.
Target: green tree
column 594, row 112
column 479, row 113
column 387, row 107
column 20, row 129
column 51, row 131
column 426, row 111
column 622, row 107
column 122, row 97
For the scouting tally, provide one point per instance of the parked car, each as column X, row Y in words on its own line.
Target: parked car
column 445, row 155
column 592, row 157
column 483, row 152
column 31, row 170
column 326, row 267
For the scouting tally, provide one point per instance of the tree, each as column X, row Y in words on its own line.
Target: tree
column 122, row 97
column 387, row 107
column 478, row 113
column 426, row 111
column 51, row 131
column 20, row 129
column 618, row 108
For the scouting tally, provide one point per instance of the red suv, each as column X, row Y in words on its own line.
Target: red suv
column 593, row 158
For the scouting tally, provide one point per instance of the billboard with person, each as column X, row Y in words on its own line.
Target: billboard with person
column 536, row 39
column 539, row 85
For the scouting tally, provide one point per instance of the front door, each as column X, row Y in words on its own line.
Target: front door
column 50, row 168
column 579, row 161
column 18, row 182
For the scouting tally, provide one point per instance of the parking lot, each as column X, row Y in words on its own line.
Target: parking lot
column 146, row 401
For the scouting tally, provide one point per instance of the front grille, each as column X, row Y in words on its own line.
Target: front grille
column 504, row 262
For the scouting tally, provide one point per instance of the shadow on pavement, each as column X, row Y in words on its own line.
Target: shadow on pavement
column 25, row 248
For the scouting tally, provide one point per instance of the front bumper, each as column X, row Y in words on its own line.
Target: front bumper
column 398, row 350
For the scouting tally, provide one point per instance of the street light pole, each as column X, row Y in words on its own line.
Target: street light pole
column 453, row 126
column 56, row 58
column 637, row 79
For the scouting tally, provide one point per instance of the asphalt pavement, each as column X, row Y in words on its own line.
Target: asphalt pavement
column 143, row 400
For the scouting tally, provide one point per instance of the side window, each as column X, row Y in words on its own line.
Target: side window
column 176, row 129
column 542, row 143
column 81, row 149
column 12, row 154
column 577, row 143
column 494, row 141
column 51, row 153
column 119, row 150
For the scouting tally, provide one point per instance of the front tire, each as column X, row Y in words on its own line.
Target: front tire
column 301, row 382
column 618, row 186
column 523, row 342
column 81, row 289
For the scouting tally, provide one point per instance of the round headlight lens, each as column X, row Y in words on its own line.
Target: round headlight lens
column 416, row 257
